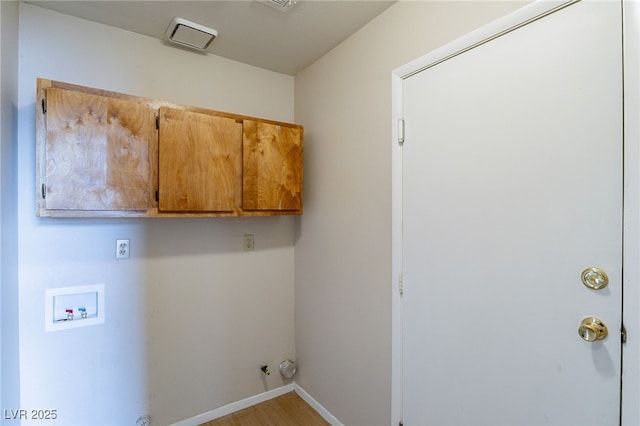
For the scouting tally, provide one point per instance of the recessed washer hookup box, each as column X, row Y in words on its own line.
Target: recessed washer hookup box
column 72, row 307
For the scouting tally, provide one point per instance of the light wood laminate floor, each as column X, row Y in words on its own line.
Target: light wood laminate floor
column 286, row 410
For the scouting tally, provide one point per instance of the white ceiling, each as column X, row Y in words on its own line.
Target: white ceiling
column 248, row 31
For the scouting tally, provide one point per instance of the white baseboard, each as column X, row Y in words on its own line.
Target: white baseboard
column 235, row 406
column 257, row 399
column 316, row 406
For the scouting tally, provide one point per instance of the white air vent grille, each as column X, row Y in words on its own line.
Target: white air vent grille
column 281, row 5
column 190, row 34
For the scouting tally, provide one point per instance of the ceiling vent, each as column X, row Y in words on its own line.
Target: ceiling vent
column 190, row 34
column 281, row 5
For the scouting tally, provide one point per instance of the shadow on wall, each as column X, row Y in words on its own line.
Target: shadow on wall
column 202, row 236
column 10, row 345
column 215, row 313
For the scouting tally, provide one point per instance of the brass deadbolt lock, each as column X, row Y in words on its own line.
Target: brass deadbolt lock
column 594, row 278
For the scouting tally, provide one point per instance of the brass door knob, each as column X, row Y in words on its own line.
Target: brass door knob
column 594, row 278
column 592, row 329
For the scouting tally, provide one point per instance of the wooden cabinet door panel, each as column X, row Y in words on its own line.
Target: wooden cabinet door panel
column 200, row 161
column 272, row 166
column 97, row 152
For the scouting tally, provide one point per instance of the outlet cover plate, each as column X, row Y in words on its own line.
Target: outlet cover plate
column 122, row 249
column 248, row 242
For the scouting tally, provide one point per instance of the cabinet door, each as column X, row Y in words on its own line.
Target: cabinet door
column 200, row 160
column 96, row 152
column 272, row 166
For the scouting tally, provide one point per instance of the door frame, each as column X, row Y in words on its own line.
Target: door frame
column 630, row 412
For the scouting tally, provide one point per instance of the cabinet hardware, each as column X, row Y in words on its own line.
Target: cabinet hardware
column 44, row 105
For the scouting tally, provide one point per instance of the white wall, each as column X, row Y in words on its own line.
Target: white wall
column 9, row 367
column 190, row 317
column 343, row 251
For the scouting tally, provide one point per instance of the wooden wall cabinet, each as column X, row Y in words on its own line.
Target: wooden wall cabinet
column 96, row 153
column 200, row 157
column 105, row 154
column 272, row 167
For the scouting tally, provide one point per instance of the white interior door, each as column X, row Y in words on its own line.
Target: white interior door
column 512, row 186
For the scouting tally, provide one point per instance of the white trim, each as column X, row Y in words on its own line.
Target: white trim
column 316, row 406
column 396, row 260
column 631, row 250
column 257, row 399
column 533, row 11
column 235, row 406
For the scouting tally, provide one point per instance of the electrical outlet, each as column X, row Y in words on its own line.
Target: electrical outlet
column 122, row 249
column 248, row 242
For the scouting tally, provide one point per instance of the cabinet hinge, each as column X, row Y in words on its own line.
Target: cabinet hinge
column 623, row 334
column 157, row 122
column 157, row 195
column 44, row 191
column 44, row 105
column 400, row 131
column 401, row 284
